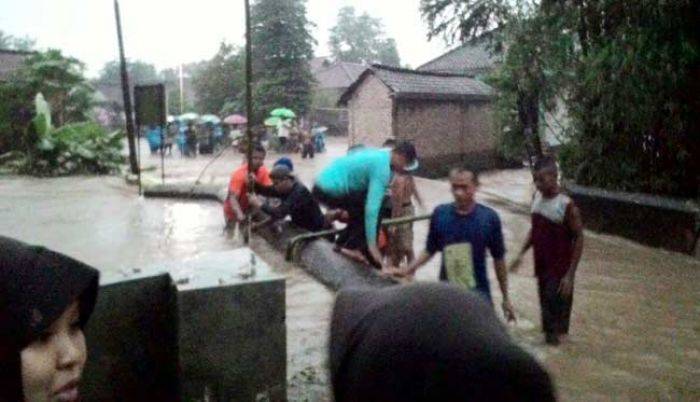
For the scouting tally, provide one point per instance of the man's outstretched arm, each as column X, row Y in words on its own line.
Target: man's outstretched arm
column 502, row 276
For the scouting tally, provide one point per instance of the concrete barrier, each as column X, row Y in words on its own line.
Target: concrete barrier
column 652, row 220
column 132, row 341
column 191, row 330
column 232, row 335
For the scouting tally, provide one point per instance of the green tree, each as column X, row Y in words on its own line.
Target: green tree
column 627, row 72
column 15, row 115
column 174, row 102
column 220, row 80
column 521, row 80
column 139, row 72
column 61, row 80
column 388, row 54
column 361, row 39
column 10, row 42
column 634, row 100
column 44, row 127
column 171, row 78
column 188, row 70
column 282, row 48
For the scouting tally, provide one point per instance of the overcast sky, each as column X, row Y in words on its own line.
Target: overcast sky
column 169, row 32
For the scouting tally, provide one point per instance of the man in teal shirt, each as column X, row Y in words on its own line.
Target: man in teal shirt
column 356, row 183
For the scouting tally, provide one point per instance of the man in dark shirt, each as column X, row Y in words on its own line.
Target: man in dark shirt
column 463, row 231
column 297, row 201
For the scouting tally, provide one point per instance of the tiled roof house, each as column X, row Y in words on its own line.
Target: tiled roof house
column 447, row 116
column 469, row 59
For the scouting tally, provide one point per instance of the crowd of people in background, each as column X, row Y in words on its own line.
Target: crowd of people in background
column 193, row 138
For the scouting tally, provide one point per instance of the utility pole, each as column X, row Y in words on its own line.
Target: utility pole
column 248, row 104
column 127, row 96
column 182, row 96
column 248, row 85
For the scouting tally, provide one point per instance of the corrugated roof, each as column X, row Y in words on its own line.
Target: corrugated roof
column 470, row 59
column 414, row 84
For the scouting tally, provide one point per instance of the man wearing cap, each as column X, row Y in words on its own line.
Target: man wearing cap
column 297, row 200
column 356, row 183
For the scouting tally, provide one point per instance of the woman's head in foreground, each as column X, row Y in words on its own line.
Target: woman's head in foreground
column 46, row 299
column 427, row 342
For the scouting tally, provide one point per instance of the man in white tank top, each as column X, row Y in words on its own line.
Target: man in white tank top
column 557, row 238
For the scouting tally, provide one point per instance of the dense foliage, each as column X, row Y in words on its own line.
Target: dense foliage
column 221, row 82
column 62, row 82
column 60, row 79
column 171, row 78
column 361, row 39
column 10, row 42
column 45, row 126
column 628, row 74
column 77, row 148
column 282, row 47
column 635, row 103
column 139, row 73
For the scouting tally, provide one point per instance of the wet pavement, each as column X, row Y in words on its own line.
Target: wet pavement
column 635, row 327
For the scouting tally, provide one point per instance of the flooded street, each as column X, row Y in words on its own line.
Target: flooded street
column 635, row 332
column 104, row 222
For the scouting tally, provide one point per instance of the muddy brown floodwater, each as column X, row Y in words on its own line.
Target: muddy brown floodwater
column 635, row 332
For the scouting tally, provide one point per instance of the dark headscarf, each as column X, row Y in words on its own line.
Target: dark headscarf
column 427, row 342
column 36, row 287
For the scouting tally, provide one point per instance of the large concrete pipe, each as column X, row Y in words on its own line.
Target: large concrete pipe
column 315, row 256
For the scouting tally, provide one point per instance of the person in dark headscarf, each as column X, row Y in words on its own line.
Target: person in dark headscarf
column 46, row 299
column 427, row 342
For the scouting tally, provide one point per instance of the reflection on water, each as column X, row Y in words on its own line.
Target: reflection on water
column 182, row 221
column 105, row 223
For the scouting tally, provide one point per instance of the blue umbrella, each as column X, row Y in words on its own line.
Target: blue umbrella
column 210, row 118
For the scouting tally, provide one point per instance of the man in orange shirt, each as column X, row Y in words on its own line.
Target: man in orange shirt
column 236, row 205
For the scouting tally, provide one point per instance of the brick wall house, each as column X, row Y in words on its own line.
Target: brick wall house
column 447, row 117
column 476, row 59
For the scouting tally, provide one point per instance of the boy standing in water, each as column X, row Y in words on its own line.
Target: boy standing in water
column 557, row 239
column 402, row 190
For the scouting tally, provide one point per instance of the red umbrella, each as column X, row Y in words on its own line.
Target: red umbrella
column 235, row 119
